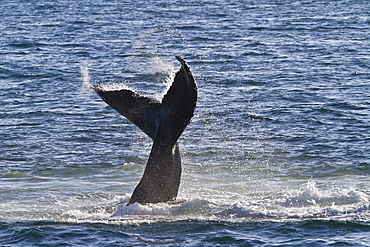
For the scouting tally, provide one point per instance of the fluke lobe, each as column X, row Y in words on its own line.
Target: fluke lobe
column 163, row 122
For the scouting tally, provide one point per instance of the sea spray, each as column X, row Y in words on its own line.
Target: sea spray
column 85, row 76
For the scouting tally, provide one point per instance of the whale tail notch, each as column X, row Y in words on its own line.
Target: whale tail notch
column 163, row 122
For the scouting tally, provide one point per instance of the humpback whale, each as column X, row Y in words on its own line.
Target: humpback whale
column 163, row 122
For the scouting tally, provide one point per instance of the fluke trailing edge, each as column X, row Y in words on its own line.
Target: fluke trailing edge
column 163, row 122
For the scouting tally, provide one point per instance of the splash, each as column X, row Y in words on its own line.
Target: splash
column 166, row 76
column 310, row 201
column 115, row 86
column 138, row 209
column 85, row 77
column 156, row 44
column 311, row 195
column 153, row 57
column 173, row 209
column 109, row 86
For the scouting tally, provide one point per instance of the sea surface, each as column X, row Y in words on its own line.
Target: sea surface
column 277, row 154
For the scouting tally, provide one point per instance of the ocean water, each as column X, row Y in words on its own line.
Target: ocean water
column 277, row 154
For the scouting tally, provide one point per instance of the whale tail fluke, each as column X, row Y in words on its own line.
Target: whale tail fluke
column 179, row 103
column 163, row 122
column 142, row 111
column 174, row 112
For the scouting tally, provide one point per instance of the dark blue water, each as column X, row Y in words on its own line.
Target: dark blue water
column 277, row 153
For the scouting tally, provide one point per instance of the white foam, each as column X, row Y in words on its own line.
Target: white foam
column 192, row 207
column 310, row 195
column 310, row 200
